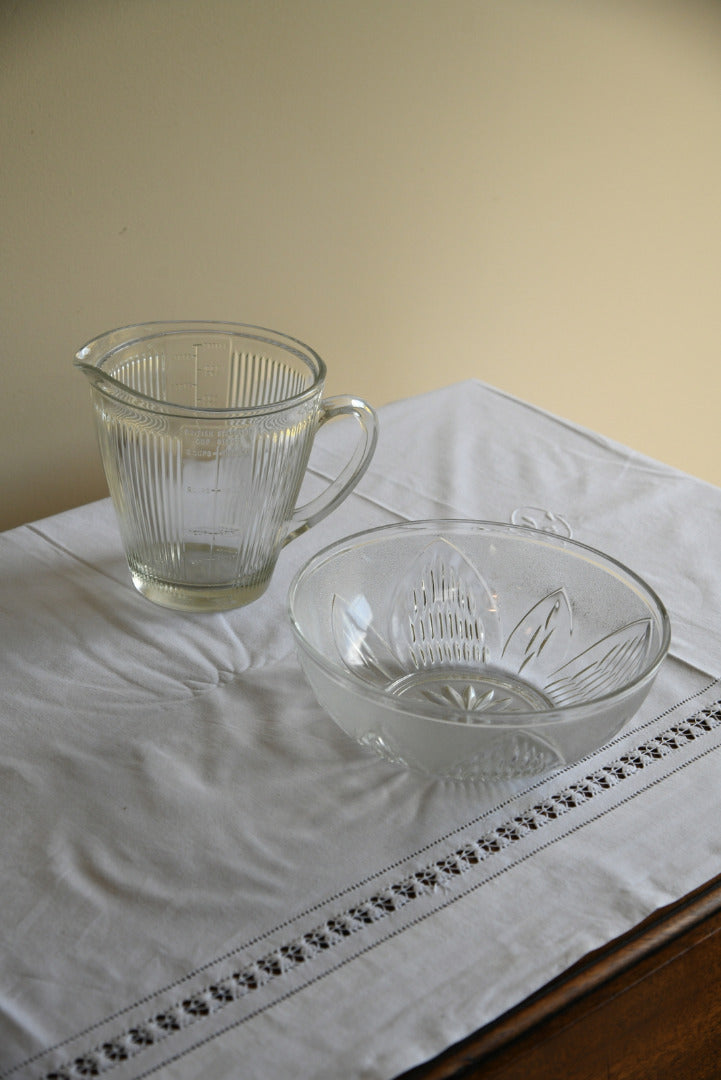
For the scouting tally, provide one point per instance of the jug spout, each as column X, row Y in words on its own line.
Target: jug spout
column 93, row 357
column 125, row 363
column 119, row 366
column 91, row 372
column 103, row 382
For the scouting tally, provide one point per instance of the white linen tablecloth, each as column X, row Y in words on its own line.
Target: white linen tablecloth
column 201, row 874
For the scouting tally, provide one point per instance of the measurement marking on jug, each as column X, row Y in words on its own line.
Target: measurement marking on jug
column 200, row 452
column 203, row 442
column 204, row 365
column 218, row 530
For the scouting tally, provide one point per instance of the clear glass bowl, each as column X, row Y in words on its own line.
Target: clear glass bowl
column 474, row 650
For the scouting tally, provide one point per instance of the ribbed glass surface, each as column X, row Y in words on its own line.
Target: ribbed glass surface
column 202, row 503
column 212, row 375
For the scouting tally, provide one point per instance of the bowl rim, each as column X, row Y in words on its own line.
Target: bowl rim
column 510, row 720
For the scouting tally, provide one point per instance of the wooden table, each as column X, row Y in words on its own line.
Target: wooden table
column 647, row 1005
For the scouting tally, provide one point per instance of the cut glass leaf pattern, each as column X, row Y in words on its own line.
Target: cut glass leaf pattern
column 443, row 611
column 543, row 634
column 600, row 669
column 362, row 649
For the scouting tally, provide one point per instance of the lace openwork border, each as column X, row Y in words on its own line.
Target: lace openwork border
column 382, row 903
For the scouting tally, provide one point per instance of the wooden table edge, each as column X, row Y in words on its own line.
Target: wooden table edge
column 665, row 935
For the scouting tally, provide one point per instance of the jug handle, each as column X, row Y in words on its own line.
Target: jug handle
column 311, row 512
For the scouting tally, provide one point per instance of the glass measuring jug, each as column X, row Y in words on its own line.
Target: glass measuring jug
column 205, row 430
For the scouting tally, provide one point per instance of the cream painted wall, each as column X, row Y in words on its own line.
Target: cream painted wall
column 523, row 191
